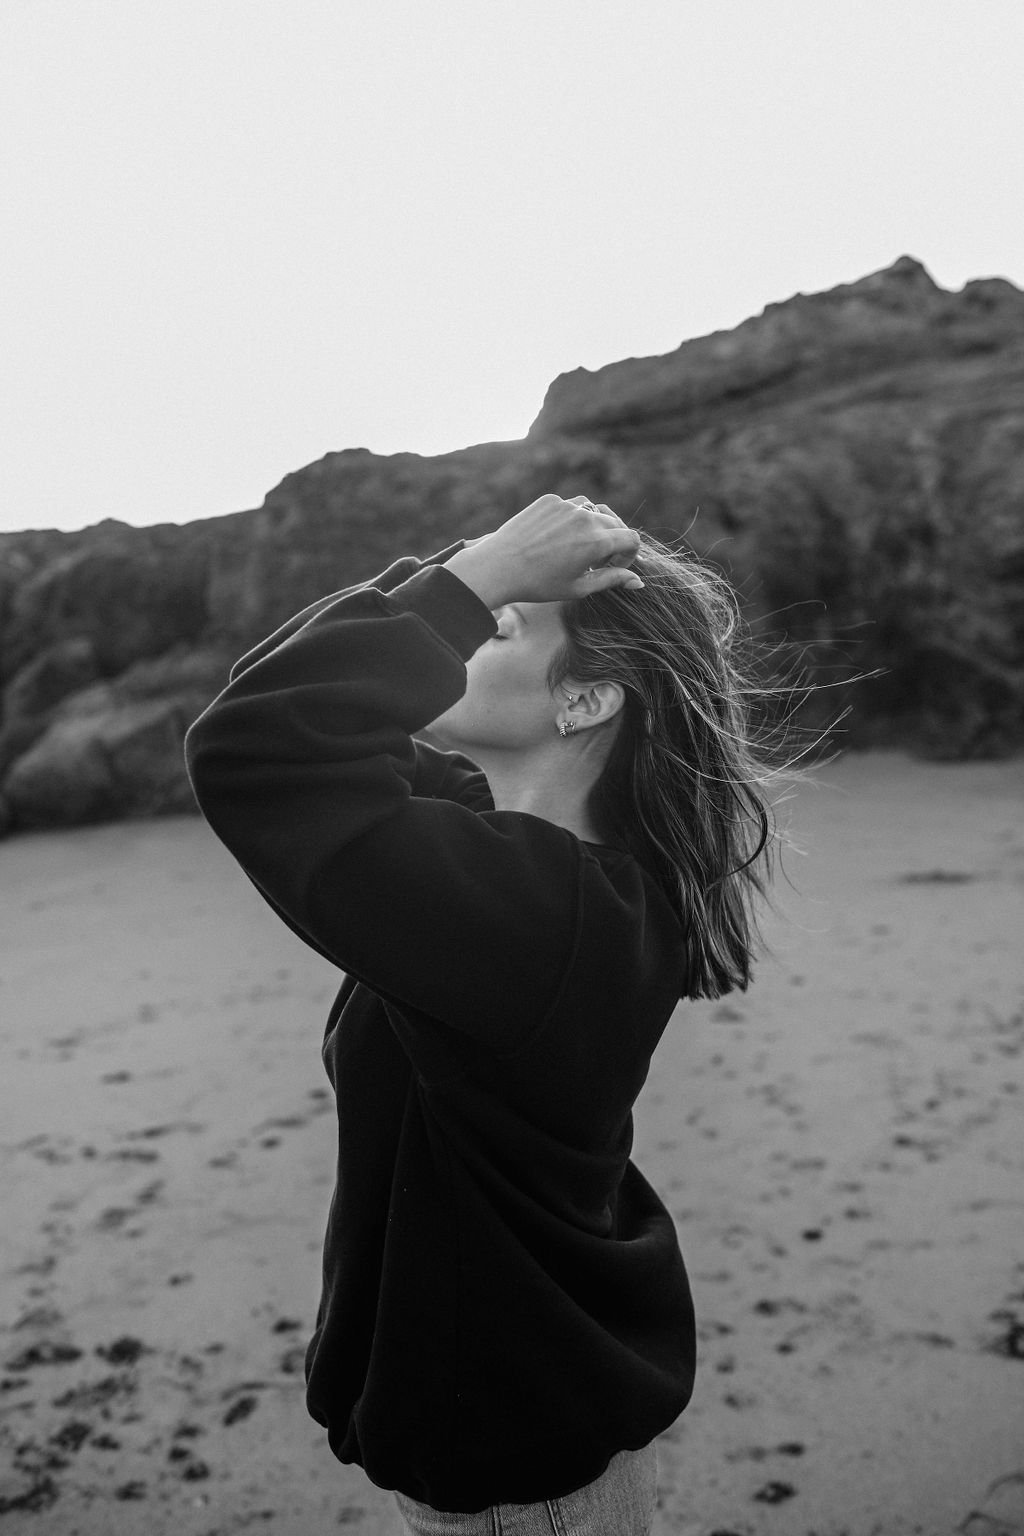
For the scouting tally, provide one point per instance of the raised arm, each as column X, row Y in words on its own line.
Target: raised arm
column 305, row 767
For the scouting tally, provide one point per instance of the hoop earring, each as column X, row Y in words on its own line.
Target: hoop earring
column 567, row 727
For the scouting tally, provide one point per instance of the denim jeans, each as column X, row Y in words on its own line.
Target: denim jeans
column 620, row 1503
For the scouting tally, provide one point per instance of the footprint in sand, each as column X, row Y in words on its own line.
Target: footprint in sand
column 1008, row 1340
column 44, row 1266
column 125, row 1350
column 113, row 1219
column 763, row 1452
column 240, row 1409
column 72, row 1435
column 266, row 1128
column 937, row 877
column 151, row 1132
column 56, row 1149
column 280, row 1123
column 190, row 1467
column 66, row 1044
column 133, row 1490
column 97, row 1394
column 293, row 1361
column 43, row 1352
column 38, row 1493
column 775, row 1493
column 40, row 1317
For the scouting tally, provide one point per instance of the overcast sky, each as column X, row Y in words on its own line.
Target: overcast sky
column 243, row 233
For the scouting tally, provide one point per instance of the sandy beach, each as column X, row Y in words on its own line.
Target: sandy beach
column 842, row 1149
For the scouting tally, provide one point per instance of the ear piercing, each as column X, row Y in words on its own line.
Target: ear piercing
column 568, row 726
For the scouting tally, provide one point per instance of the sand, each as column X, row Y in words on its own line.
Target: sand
column 842, row 1150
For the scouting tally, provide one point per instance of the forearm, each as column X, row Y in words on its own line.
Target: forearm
column 396, row 573
column 311, row 743
column 477, row 567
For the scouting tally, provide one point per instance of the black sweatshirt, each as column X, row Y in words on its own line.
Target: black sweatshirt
column 504, row 1304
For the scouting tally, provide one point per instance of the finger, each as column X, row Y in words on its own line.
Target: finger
column 622, row 545
column 606, row 511
column 604, row 577
column 599, row 509
column 550, row 499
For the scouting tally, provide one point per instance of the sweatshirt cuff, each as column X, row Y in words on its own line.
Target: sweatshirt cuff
column 451, row 609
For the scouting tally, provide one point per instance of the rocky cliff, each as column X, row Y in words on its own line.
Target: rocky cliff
column 853, row 459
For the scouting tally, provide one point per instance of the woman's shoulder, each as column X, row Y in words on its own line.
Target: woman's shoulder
column 627, row 931
column 627, row 923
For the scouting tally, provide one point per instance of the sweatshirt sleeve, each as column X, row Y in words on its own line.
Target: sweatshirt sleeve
column 393, row 576
column 305, row 768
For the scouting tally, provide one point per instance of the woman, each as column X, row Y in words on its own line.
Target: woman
column 505, row 1322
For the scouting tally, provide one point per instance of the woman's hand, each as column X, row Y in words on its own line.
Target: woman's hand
column 550, row 552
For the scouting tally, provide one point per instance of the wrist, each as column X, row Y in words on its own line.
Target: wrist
column 481, row 572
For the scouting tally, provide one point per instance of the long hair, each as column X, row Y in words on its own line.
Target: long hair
column 685, row 784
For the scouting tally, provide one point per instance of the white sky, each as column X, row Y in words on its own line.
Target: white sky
column 243, row 233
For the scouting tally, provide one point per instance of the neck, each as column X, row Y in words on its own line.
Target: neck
column 553, row 785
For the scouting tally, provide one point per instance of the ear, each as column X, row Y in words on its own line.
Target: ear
column 593, row 703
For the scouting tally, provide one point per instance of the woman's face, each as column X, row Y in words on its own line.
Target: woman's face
column 507, row 705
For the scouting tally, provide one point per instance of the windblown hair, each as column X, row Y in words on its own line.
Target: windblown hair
column 685, row 785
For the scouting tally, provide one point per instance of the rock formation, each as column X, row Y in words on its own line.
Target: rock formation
column 853, row 459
